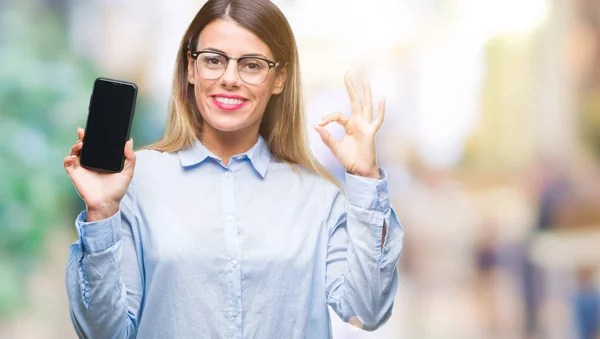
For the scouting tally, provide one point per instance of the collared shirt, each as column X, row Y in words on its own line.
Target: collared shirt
column 248, row 250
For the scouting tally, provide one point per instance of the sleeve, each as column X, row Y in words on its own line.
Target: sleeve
column 361, row 276
column 104, row 273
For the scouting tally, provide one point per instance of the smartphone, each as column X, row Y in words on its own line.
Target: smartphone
column 110, row 114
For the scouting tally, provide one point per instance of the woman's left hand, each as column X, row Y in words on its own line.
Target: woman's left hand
column 356, row 150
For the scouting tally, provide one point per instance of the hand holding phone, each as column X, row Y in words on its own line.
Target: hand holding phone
column 102, row 188
column 101, row 191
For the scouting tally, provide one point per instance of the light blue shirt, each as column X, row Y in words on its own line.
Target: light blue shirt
column 249, row 250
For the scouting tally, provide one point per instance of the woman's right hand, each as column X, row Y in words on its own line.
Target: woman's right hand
column 102, row 192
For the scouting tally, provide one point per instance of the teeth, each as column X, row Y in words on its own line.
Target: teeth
column 229, row 101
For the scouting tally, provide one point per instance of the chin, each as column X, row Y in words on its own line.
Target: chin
column 229, row 121
column 228, row 125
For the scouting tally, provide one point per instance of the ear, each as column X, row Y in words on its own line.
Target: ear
column 190, row 68
column 280, row 81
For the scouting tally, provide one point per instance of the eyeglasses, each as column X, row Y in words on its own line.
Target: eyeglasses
column 212, row 65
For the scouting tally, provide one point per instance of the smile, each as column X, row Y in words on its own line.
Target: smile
column 229, row 104
column 229, row 101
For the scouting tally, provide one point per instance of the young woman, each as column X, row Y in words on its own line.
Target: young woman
column 227, row 227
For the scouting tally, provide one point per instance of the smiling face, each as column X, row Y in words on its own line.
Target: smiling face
column 228, row 104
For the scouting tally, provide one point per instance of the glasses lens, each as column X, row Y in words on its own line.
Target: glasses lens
column 211, row 65
column 252, row 70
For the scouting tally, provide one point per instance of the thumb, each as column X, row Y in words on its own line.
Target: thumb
column 129, row 154
column 329, row 140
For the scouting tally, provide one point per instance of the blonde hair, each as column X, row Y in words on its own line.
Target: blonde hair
column 283, row 124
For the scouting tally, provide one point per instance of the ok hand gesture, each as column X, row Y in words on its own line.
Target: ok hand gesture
column 356, row 150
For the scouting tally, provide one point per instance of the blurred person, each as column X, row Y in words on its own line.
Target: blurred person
column 568, row 202
column 586, row 305
column 441, row 260
column 486, row 257
column 228, row 226
column 552, row 187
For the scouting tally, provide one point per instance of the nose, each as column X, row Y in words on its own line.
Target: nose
column 231, row 77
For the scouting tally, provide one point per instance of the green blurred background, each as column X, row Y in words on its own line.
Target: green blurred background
column 491, row 142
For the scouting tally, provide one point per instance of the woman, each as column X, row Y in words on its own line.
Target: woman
column 227, row 227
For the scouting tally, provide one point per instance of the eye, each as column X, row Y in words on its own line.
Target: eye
column 253, row 65
column 213, row 60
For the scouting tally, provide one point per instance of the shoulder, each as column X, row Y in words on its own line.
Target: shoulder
column 152, row 163
column 146, row 155
column 309, row 179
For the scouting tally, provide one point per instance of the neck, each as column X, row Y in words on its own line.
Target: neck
column 227, row 144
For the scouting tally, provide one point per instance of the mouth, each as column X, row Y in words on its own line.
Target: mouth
column 229, row 103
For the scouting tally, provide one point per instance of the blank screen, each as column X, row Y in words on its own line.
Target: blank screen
column 107, row 127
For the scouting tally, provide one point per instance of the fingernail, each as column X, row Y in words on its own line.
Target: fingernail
column 73, row 156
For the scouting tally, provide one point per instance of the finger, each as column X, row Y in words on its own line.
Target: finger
column 80, row 133
column 367, row 100
column 338, row 117
column 329, row 140
column 380, row 113
column 129, row 156
column 354, row 98
column 129, row 152
column 76, row 148
column 69, row 164
column 74, row 155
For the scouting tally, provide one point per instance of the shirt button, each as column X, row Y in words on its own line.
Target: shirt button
column 230, row 217
column 233, row 263
column 227, row 174
column 234, row 313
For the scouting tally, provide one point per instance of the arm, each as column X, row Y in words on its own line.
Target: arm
column 104, row 279
column 362, row 276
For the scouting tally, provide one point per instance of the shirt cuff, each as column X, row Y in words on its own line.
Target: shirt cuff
column 99, row 235
column 368, row 193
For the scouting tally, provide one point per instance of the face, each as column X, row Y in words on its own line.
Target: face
column 228, row 104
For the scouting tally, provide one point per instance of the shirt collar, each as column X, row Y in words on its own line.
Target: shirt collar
column 259, row 155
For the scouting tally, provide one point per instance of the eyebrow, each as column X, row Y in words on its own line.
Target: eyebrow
column 243, row 55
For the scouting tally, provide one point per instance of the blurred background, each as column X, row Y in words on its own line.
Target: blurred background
column 491, row 143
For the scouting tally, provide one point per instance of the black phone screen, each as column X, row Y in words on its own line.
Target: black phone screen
column 107, row 129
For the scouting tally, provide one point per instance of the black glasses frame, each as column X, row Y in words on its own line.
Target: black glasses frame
column 270, row 63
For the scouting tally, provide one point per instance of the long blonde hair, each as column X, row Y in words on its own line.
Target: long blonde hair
column 283, row 124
